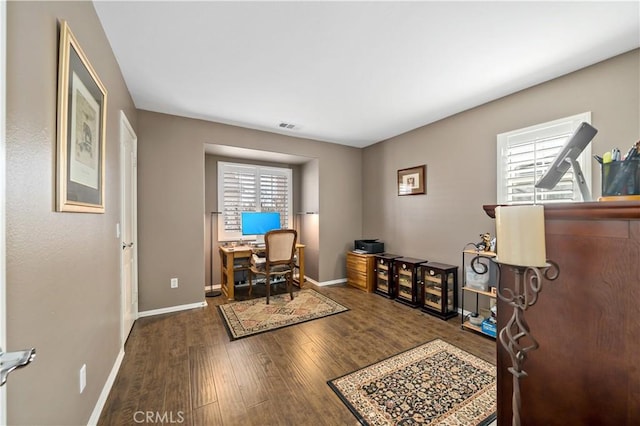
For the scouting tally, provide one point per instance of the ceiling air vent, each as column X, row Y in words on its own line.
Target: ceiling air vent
column 286, row 126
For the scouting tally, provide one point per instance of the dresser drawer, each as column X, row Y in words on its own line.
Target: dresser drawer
column 357, row 264
column 357, row 279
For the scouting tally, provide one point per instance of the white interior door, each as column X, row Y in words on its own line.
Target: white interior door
column 129, row 257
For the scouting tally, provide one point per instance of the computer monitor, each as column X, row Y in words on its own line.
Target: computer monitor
column 259, row 223
column 568, row 157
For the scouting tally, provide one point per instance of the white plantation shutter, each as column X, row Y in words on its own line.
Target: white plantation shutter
column 524, row 156
column 250, row 188
column 239, row 189
column 274, row 194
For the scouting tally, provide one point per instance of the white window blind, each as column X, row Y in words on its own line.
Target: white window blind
column 251, row 188
column 524, row 156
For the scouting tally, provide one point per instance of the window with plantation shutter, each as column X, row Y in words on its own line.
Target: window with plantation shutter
column 524, row 156
column 251, row 188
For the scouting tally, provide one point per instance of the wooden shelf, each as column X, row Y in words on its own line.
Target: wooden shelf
column 476, row 328
column 484, row 293
column 480, row 295
column 481, row 253
column 432, row 304
column 433, row 291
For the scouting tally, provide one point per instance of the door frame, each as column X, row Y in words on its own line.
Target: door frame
column 3, row 198
column 126, row 128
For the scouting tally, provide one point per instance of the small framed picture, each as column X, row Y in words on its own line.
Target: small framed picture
column 82, row 112
column 412, row 181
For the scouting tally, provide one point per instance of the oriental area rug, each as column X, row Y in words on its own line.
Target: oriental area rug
column 249, row 317
column 433, row 384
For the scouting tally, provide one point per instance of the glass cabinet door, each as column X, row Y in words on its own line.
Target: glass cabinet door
column 405, row 284
column 382, row 277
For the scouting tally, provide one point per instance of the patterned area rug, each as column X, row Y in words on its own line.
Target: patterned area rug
column 434, row 383
column 249, row 317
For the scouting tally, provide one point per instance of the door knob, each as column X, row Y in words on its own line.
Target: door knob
column 9, row 361
column 125, row 245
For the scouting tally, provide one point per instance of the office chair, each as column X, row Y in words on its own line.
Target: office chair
column 280, row 247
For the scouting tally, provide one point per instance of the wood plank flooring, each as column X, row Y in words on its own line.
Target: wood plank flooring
column 181, row 368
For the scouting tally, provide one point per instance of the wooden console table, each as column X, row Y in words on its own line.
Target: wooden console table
column 237, row 258
column 587, row 322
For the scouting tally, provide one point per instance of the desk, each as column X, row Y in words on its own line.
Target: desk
column 238, row 259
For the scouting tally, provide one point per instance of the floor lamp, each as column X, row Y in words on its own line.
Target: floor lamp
column 211, row 292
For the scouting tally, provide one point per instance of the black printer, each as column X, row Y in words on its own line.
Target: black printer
column 369, row 246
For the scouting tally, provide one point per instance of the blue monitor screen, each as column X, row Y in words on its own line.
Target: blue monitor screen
column 259, row 223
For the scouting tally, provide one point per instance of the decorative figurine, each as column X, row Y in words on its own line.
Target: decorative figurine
column 485, row 244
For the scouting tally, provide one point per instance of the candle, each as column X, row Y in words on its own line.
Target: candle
column 520, row 235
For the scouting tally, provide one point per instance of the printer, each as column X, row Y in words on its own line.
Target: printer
column 369, row 246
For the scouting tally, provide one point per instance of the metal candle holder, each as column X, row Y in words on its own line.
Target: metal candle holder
column 515, row 336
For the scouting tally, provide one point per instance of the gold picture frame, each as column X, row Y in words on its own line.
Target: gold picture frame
column 82, row 115
column 412, row 181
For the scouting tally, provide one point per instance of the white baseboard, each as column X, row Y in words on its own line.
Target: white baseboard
column 171, row 309
column 325, row 283
column 97, row 410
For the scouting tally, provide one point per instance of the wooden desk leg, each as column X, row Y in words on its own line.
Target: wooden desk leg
column 222, row 266
column 231, row 276
column 226, row 271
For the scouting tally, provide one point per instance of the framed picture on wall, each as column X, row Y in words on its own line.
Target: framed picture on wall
column 82, row 113
column 412, row 181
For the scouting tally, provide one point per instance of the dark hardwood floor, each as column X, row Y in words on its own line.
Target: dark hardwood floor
column 181, row 368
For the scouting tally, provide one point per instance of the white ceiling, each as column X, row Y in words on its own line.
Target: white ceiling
column 352, row 73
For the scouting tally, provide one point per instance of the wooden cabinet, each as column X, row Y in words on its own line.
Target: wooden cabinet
column 360, row 270
column 232, row 260
column 587, row 322
column 384, row 281
column 440, row 289
column 407, row 272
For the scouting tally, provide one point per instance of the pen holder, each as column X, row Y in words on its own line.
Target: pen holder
column 621, row 179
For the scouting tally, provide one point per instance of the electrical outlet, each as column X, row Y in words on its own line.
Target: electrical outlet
column 174, row 283
column 83, row 377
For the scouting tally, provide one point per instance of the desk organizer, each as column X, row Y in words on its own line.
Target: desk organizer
column 620, row 178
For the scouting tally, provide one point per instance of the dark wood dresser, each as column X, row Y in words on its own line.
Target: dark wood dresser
column 587, row 322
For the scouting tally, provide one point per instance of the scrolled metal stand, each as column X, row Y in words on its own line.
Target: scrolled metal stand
column 516, row 337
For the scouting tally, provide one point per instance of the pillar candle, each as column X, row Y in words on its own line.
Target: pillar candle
column 520, row 235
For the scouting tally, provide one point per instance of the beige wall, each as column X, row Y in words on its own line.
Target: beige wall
column 63, row 269
column 460, row 154
column 309, row 225
column 171, row 209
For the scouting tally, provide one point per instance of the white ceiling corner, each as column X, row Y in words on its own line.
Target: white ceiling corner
column 352, row 73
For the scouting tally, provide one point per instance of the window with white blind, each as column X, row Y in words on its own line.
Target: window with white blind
column 524, row 156
column 251, row 188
